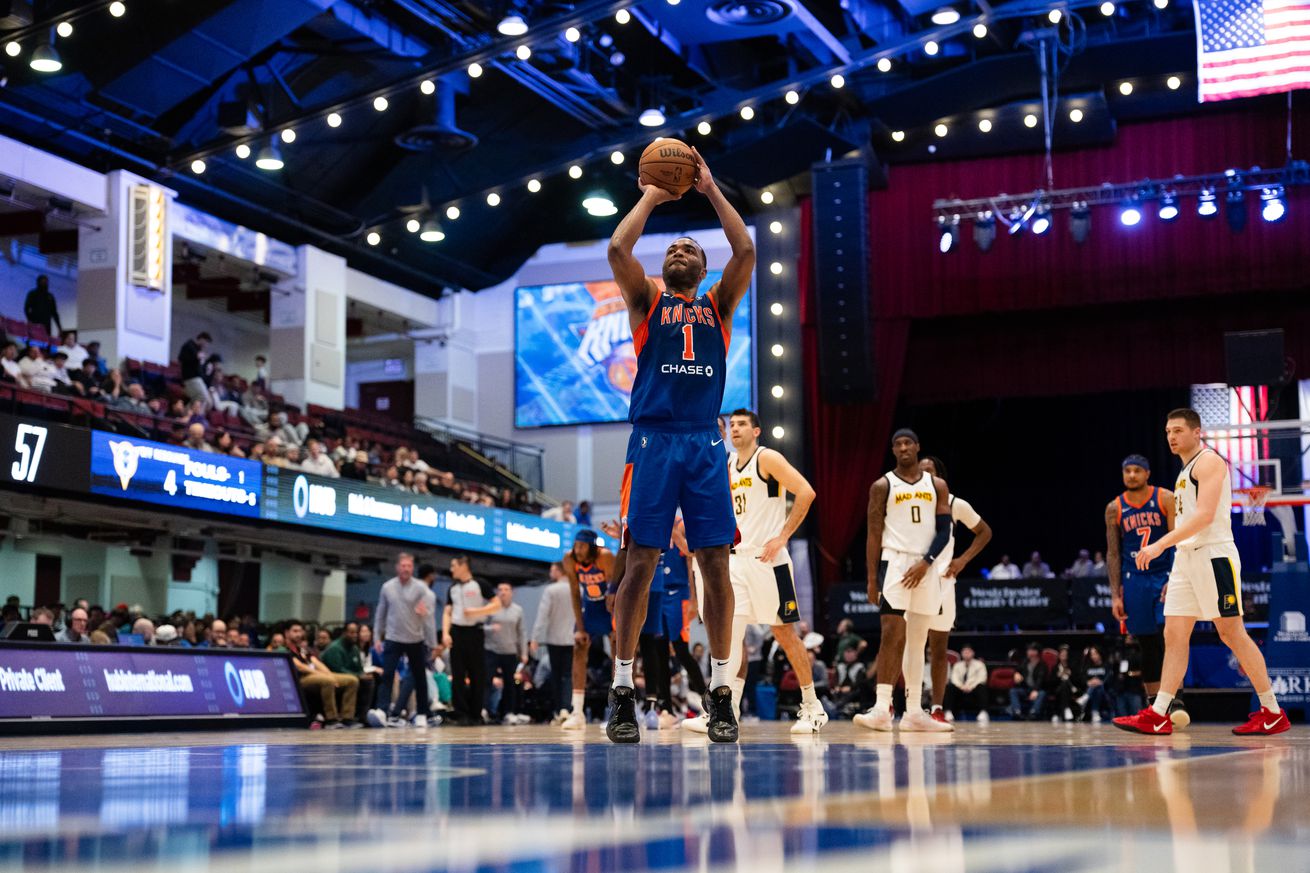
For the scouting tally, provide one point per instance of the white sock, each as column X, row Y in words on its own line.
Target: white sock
column 916, row 638
column 807, row 694
column 720, row 674
column 579, row 700
column 1268, row 701
column 623, row 673
column 883, row 702
column 1162, row 701
column 724, row 672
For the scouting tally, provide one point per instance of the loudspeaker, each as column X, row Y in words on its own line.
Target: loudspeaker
column 28, row 632
column 841, row 280
column 1255, row 357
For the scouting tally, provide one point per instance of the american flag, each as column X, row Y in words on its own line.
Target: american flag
column 1250, row 47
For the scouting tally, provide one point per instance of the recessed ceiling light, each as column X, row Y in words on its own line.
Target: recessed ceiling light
column 512, row 25
column 945, row 16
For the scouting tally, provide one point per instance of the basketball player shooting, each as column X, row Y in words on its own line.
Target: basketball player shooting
column 675, row 453
column 1205, row 582
column 909, row 529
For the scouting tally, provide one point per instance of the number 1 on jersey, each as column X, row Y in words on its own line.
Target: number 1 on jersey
column 688, row 350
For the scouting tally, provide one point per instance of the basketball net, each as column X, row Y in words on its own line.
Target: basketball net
column 1253, row 510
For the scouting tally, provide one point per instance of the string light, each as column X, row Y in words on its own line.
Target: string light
column 427, row 86
column 884, row 65
column 523, row 53
column 64, row 29
column 575, row 172
column 117, row 9
column 334, row 119
column 534, row 185
column 747, row 113
column 373, row 238
column 775, row 227
column 776, row 309
column 243, row 151
column 475, row 70
column 704, row 128
column 412, row 225
column 616, row 158
column 380, row 104
column 452, row 212
column 288, row 136
column 493, row 199
column 198, row 166
column 793, row 97
column 898, row 136
column 573, row 34
column 766, row 197
column 623, row 16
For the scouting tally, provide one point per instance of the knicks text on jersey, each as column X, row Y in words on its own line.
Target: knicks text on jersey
column 682, row 353
column 1141, row 525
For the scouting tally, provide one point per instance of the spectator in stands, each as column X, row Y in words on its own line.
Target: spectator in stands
column 1082, row 567
column 370, row 656
column 343, row 655
column 224, row 444
column 966, row 688
column 356, row 468
column 100, row 637
column 277, row 641
column 405, row 624
column 70, row 346
column 1063, row 684
column 391, row 478
column 583, row 513
column 216, row 636
column 563, row 512
column 555, row 629
column 133, row 399
column 292, row 455
column 847, row 638
column 421, row 484
column 39, row 371
column 261, row 372
column 1028, row 695
column 407, row 480
column 145, row 629
column 850, row 691
column 317, row 680
column 344, row 451
column 76, row 630
column 290, row 434
column 1091, row 677
column 254, row 408
column 42, row 616
column 506, row 651
column 195, row 439
column 84, row 380
column 1098, row 564
column 40, row 306
column 191, row 358
column 166, row 635
column 234, row 637
column 59, row 373
column 10, row 371
column 1006, row 569
column 93, row 352
column 322, row 639
column 1036, row 568
column 111, row 385
column 272, row 452
column 222, row 396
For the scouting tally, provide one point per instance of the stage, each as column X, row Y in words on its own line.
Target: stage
column 1030, row 797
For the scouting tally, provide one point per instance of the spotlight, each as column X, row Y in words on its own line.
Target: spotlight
column 945, row 16
column 1075, row 115
column 243, row 151
column 949, row 229
column 452, row 212
column 13, row 49
column 413, row 225
column 380, row 104
column 512, row 25
column 599, row 205
column 1168, row 210
column 1030, row 120
column 616, row 158
column 605, row 41
column 776, row 268
column 575, row 172
column 534, row 185
column 941, row 130
column 766, row 197
column 45, row 59
column 1107, row 8
column 623, row 16
column 431, row 232
column 334, row 119
column 778, row 432
column 931, row 48
column 898, row 136
column 884, row 65
column 793, row 97
column 1041, row 220
column 980, row 31
column 1272, row 205
column 475, row 70
column 1235, row 210
column 1173, row 83
column 1161, row 4
column 573, row 34
column 373, row 238
column 288, row 136
column 776, row 391
column 777, row 350
column 984, row 231
column 747, row 113
column 64, row 29
column 704, row 128
column 523, row 53
column 493, row 199
column 837, row 81
column 1125, row 88
column 198, row 166
column 1131, row 214
column 1080, row 221
column 1206, row 205
column 270, row 157
column 776, row 309
column 1054, row 16
column 1018, row 218
column 775, row 227
column 117, row 9
column 617, row 59
column 651, row 117
column 985, row 125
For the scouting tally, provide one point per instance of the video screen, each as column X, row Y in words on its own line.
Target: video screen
column 573, row 356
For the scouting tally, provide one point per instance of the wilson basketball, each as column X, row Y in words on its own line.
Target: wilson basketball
column 669, row 164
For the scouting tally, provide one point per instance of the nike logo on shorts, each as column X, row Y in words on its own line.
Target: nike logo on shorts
column 717, row 443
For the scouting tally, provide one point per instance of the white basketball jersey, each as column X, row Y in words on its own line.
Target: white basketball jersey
column 1218, row 531
column 911, row 515
column 760, row 506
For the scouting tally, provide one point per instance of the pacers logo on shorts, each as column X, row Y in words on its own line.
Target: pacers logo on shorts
column 1229, row 601
column 791, row 606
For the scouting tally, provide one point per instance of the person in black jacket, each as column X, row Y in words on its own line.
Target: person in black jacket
column 193, row 373
column 1028, row 695
column 40, row 306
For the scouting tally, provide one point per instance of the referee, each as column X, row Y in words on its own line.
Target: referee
column 468, row 603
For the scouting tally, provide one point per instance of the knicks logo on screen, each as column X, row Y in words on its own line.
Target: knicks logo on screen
column 125, row 460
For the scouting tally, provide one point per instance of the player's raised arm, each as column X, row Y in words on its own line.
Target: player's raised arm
column 773, row 465
column 736, row 279
column 637, row 289
column 877, row 518
column 1113, row 543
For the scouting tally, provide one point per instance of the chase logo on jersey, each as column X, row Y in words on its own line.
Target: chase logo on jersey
column 688, row 369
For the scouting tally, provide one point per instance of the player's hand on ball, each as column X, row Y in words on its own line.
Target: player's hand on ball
column 1148, row 554
column 704, row 181
column 955, row 568
column 915, row 574
column 1117, row 607
column 656, row 194
column 772, row 548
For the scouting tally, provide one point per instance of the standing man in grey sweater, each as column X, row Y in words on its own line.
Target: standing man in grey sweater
column 506, row 652
column 405, row 624
column 556, row 629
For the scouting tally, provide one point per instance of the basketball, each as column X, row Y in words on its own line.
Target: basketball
column 669, row 164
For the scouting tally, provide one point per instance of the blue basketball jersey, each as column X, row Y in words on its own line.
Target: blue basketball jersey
column 682, row 355
column 673, row 570
column 592, row 580
column 1141, row 525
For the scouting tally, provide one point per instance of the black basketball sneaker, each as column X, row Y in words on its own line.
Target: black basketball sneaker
column 622, row 726
column 722, row 722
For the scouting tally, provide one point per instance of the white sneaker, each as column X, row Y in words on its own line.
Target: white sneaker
column 875, row 720
column 560, row 717
column 394, row 722
column 1096, row 717
column 695, row 702
column 1068, row 714
column 376, row 718
column 918, row 720
column 575, row 721
column 810, row 718
column 420, row 721
column 698, row 725
column 983, row 717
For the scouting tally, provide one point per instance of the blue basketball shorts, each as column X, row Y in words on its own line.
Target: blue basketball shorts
column 1142, row 602
column 671, row 472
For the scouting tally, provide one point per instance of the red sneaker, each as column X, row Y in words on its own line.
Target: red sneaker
column 939, row 715
column 1264, row 723
column 1148, row 721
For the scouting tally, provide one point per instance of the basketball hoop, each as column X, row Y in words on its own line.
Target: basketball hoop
column 1253, row 509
